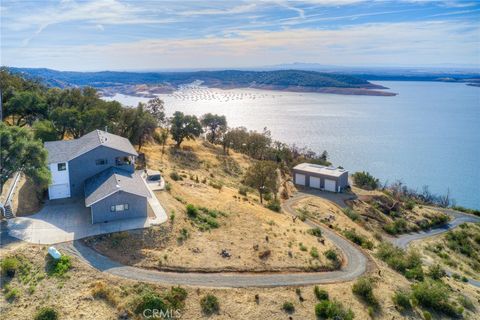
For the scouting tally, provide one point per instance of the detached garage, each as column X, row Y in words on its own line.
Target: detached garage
column 320, row 177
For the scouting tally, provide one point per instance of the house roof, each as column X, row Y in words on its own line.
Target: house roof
column 66, row 150
column 319, row 169
column 112, row 180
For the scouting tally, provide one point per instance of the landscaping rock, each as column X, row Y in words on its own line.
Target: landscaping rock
column 225, row 253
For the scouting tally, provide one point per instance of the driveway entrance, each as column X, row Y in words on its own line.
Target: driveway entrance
column 66, row 220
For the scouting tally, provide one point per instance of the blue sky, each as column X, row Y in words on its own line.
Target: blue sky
column 136, row 35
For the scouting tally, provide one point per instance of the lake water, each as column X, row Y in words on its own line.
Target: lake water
column 427, row 135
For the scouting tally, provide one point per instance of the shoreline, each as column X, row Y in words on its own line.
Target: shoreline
column 154, row 91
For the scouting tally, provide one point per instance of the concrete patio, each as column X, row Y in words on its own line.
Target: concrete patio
column 69, row 219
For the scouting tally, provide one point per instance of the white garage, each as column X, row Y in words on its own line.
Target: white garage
column 59, row 191
column 300, row 179
column 320, row 177
column 330, row 185
column 315, row 182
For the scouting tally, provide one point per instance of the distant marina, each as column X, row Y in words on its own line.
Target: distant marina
column 201, row 93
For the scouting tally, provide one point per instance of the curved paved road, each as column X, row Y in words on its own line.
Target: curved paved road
column 355, row 266
column 458, row 218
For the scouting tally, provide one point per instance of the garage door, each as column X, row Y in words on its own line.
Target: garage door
column 330, row 185
column 58, row 191
column 300, row 179
column 315, row 182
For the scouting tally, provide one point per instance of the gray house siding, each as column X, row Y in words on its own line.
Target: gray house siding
column 341, row 181
column 85, row 166
column 137, row 207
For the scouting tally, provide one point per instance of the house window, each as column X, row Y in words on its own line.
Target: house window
column 101, row 162
column 119, row 207
column 62, row 166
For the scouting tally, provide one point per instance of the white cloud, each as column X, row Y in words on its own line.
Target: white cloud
column 99, row 12
column 370, row 44
column 212, row 11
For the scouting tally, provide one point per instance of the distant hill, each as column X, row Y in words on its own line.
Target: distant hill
column 288, row 80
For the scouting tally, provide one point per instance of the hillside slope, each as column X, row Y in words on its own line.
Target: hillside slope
column 289, row 80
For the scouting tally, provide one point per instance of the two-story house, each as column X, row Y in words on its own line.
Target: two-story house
column 99, row 167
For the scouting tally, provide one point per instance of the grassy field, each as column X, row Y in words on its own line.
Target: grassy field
column 256, row 238
column 209, row 213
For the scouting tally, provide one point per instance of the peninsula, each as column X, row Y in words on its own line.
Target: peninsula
column 149, row 83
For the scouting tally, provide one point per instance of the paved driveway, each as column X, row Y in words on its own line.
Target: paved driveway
column 67, row 220
column 355, row 266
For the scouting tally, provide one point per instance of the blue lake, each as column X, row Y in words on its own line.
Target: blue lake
column 426, row 135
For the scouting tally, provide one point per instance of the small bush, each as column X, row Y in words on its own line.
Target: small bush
column 331, row 255
column 100, row 290
column 184, row 235
column 332, row 310
column 267, row 196
column 317, row 232
column 362, row 241
column 288, row 307
column 351, row 214
column 320, row 293
column 59, row 267
column 9, row 266
column 117, row 238
column 434, row 295
column 274, row 205
column 363, row 288
column 365, row 180
column 46, row 313
column 427, row 315
column 303, row 214
column 168, row 186
column 176, row 297
column 216, row 185
column 460, row 241
column 303, row 247
column 466, row 303
column 396, row 227
column 402, row 300
column 408, row 264
column 11, row 293
column 192, row 211
column 151, row 300
column 314, row 253
column 175, row 176
column 209, row 304
column 243, row 190
column 436, row 272
column 410, row 204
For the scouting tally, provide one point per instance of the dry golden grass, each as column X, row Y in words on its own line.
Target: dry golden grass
column 379, row 210
column 247, row 231
column 26, row 200
column 437, row 251
column 90, row 294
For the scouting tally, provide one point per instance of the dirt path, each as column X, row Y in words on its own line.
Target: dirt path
column 355, row 266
